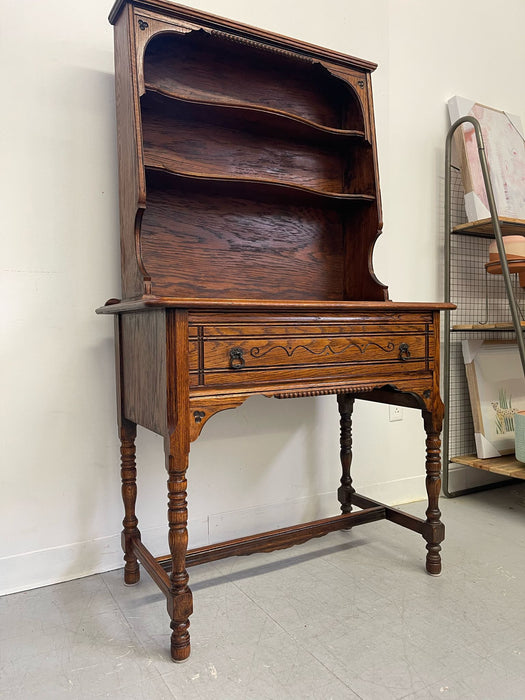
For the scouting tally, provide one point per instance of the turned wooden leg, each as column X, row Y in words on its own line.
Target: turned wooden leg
column 180, row 600
column 128, row 472
column 434, row 530
column 345, row 492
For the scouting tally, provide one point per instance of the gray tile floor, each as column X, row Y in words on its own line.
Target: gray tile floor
column 352, row 615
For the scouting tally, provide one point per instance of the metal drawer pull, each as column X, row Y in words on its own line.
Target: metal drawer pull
column 404, row 352
column 236, row 358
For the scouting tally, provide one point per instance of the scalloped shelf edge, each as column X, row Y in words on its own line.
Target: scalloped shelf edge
column 258, row 182
column 258, row 109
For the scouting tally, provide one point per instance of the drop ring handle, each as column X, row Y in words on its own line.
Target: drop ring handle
column 237, row 358
column 404, row 352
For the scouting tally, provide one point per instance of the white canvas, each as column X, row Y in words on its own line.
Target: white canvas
column 497, row 391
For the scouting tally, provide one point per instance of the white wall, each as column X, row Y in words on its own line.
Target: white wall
column 60, row 509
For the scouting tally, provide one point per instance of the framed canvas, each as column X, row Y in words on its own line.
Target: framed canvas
column 503, row 137
column 497, row 392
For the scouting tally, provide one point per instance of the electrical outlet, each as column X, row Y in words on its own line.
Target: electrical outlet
column 395, row 413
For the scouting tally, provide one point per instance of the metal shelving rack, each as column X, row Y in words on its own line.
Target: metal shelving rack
column 468, row 285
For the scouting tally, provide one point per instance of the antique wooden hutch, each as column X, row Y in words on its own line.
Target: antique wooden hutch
column 249, row 208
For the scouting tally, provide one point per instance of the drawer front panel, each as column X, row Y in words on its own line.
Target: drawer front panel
column 222, row 354
column 300, row 351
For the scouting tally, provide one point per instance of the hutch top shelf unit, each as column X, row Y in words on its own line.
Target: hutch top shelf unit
column 249, row 209
column 245, row 147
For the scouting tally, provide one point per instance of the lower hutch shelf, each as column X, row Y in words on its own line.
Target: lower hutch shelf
column 507, row 465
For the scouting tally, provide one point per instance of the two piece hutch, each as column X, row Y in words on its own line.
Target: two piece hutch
column 249, row 208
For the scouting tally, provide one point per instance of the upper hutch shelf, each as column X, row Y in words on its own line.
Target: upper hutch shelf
column 242, row 138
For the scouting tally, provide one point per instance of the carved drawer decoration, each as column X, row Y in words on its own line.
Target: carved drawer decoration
column 226, row 352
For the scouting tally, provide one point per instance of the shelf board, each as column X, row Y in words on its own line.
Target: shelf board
column 252, row 112
column 507, row 465
column 484, row 229
column 288, row 306
column 252, row 182
column 485, row 326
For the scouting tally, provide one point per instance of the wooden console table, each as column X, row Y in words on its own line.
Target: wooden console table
column 249, row 204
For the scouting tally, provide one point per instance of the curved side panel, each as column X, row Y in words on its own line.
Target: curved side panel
column 406, row 394
column 373, row 275
column 146, row 278
column 357, row 86
column 148, row 26
column 132, row 185
column 360, row 281
column 202, row 409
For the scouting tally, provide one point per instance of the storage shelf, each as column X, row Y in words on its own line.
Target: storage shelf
column 254, row 182
column 213, row 68
column 189, row 138
column 476, row 327
column 253, row 113
column 483, row 228
column 258, row 170
column 507, row 465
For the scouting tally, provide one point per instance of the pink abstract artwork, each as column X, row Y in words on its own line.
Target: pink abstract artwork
column 505, row 152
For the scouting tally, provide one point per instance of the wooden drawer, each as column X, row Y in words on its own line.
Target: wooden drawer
column 233, row 350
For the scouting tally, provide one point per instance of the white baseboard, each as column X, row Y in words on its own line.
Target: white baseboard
column 22, row 572
column 232, row 524
column 45, row 567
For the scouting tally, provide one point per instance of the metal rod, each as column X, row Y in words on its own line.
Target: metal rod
column 486, row 319
column 515, row 313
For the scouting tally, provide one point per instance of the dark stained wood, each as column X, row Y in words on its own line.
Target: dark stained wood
column 128, row 472
column 361, row 232
column 225, row 350
column 255, row 353
column 132, row 183
column 196, row 140
column 406, row 520
column 278, row 539
column 228, row 325
column 287, row 378
column 250, row 206
column 291, row 352
column 259, row 118
column 202, row 410
column 144, row 369
column 434, row 530
column 345, row 492
column 256, row 144
column 221, row 247
column 221, row 70
column 293, row 305
column 168, row 11
column 149, row 562
column 177, row 441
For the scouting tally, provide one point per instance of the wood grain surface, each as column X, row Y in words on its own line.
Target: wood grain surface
column 213, row 68
column 249, row 210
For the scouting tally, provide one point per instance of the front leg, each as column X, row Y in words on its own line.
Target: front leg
column 433, row 530
column 128, row 472
column 345, row 492
column 180, row 599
